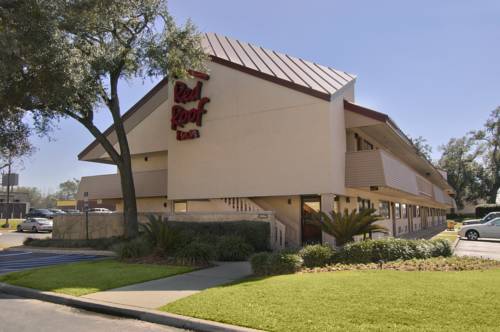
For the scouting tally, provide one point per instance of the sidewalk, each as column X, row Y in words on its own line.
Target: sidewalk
column 156, row 293
column 427, row 233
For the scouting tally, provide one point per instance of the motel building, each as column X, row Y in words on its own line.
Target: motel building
column 264, row 135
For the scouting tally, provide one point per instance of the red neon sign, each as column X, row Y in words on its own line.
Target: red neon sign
column 181, row 116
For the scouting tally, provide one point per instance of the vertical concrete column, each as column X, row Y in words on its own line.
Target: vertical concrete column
column 327, row 206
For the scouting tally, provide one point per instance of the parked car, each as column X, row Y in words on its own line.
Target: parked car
column 490, row 229
column 99, row 210
column 72, row 211
column 57, row 212
column 40, row 213
column 486, row 218
column 35, row 225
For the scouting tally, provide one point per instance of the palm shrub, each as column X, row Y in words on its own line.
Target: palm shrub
column 134, row 248
column 161, row 235
column 195, row 253
column 345, row 226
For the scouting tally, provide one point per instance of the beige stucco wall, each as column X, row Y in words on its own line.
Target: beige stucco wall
column 288, row 214
column 258, row 139
column 155, row 161
column 153, row 204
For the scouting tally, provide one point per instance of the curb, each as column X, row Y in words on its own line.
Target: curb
column 455, row 244
column 63, row 251
column 125, row 311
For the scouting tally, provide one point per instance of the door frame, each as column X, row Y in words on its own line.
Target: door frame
column 302, row 200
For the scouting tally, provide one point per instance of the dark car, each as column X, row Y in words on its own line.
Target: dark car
column 57, row 212
column 40, row 213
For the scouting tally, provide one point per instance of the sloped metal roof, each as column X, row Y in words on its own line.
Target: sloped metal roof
column 283, row 68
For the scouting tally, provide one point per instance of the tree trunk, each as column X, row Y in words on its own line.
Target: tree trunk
column 125, row 166
column 129, row 197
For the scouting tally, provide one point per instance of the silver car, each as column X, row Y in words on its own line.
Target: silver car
column 490, row 229
column 35, row 225
column 486, row 218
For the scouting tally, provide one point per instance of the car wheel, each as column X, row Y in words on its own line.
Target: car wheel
column 19, row 229
column 34, row 229
column 472, row 235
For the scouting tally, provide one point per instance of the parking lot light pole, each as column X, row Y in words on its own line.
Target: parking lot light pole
column 9, row 169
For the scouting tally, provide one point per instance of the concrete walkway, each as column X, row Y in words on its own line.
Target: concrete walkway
column 156, row 293
column 427, row 233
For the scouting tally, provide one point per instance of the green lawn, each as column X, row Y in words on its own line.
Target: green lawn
column 354, row 301
column 449, row 235
column 12, row 223
column 89, row 277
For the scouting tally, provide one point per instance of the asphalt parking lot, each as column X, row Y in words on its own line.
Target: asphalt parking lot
column 481, row 248
column 11, row 261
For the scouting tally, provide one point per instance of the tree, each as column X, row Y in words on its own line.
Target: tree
column 65, row 58
column 345, row 226
column 465, row 173
column 422, row 148
column 489, row 139
column 35, row 197
column 68, row 189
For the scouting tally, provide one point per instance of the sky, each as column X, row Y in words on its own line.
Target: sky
column 433, row 66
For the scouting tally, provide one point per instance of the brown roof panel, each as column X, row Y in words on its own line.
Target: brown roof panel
column 302, row 75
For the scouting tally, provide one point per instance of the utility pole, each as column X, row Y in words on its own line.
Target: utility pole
column 9, row 170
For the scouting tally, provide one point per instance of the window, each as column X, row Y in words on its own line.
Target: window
column 404, row 212
column 363, row 204
column 397, row 210
column 384, row 209
column 362, row 144
column 367, row 145
column 180, row 206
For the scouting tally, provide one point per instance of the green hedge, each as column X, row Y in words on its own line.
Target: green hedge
column 372, row 251
column 265, row 263
column 484, row 209
column 255, row 233
column 317, row 255
column 460, row 217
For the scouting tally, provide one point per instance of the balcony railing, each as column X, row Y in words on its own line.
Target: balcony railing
column 378, row 168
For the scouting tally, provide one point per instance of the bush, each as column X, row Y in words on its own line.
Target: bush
column 441, row 248
column 255, row 233
column 372, row 251
column 316, row 255
column 134, row 248
column 428, row 264
column 282, row 263
column 484, row 209
column 97, row 244
column 195, row 253
column 233, row 248
column 275, row 263
column 260, row 263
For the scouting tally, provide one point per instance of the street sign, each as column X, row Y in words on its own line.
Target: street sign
column 13, row 180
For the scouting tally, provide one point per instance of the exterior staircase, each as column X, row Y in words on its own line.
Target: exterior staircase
column 244, row 204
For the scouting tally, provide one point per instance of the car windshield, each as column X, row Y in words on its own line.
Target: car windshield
column 43, row 211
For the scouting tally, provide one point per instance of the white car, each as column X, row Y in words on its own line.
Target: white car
column 35, row 225
column 99, row 210
column 490, row 229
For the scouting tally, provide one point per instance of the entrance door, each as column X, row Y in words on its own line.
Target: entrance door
column 310, row 233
